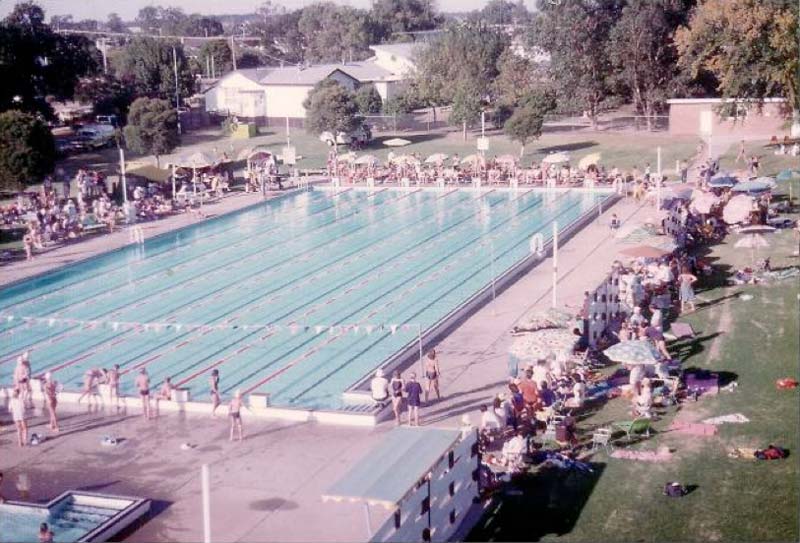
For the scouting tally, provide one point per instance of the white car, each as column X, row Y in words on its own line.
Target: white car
column 360, row 135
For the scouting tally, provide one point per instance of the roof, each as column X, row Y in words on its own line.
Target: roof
column 151, row 173
column 405, row 50
column 721, row 100
column 393, row 468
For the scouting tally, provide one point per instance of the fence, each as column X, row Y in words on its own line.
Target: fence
column 416, row 121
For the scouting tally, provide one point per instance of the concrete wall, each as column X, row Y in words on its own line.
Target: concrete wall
column 237, row 94
column 686, row 119
column 395, row 64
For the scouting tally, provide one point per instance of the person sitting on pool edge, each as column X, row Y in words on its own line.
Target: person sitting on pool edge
column 379, row 387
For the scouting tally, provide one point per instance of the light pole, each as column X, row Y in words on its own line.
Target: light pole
column 555, row 263
column 177, row 91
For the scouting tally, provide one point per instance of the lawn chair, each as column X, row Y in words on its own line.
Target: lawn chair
column 602, row 438
column 637, row 426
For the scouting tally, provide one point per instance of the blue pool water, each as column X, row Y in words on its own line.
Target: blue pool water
column 272, row 279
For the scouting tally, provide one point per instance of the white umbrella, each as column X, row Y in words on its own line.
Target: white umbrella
column 396, row 142
column 471, row 159
column 405, row 159
column 737, row 209
column 543, row 343
column 436, row 158
column 346, row 157
column 757, row 229
column 752, row 242
column 506, row 159
column 704, row 202
column 556, row 158
column 367, row 160
column 588, row 160
column 196, row 160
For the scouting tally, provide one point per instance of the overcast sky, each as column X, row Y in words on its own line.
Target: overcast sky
column 127, row 9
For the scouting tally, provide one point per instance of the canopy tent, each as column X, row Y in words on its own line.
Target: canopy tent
column 392, row 469
column 150, row 173
column 436, row 158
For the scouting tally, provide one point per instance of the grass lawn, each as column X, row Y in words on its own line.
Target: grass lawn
column 770, row 163
column 753, row 342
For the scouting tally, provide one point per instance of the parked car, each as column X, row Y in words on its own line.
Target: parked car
column 91, row 137
column 361, row 136
column 107, row 120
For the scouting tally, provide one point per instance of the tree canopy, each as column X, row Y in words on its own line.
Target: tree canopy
column 152, row 127
column 525, row 124
column 27, row 150
column 368, row 100
column 331, row 107
column 398, row 16
column 147, row 65
column 173, row 21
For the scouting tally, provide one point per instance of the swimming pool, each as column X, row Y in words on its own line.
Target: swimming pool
column 297, row 298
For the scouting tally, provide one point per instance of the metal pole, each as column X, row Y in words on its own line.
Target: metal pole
column 483, row 124
column 494, row 292
column 658, row 159
column 233, row 53
column 555, row 262
column 177, row 91
column 104, row 49
column 122, row 173
column 206, row 503
column 213, row 68
column 419, row 340
column 173, row 181
column 288, row 137
column 367, row 519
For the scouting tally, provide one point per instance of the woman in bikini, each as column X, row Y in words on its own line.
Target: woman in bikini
column 432, row 374
column 234, row 411
column 214, row 384
column 396, row 390
column 143, row 384
column 50, row 389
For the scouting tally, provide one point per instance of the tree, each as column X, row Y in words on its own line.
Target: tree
column 335, row 33
column 398, row 16
column 749, row 46
column 27, row 150
column 280, row 35
column 467, row 107
column 576, row 33
column 644, row 56
column 147, row 65
column 107, row 94
column 114, row 23
column 368, row 100
column 152, row 127
column 35, row 62
column 525, row 124
column 330, row 107
column 505, row 12
column 516, row 76
column 220, row 51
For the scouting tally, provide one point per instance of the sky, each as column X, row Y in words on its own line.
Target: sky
column 127, row 9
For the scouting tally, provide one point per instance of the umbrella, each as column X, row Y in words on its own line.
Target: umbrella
column 681, row 192
column 471, row 159
column 254, row 152
column 543, row 344
column 506, row 159
column 436, row 158
column 195, row 160
column 704, row 202
column 396, row 142
column 757, row 229
column 556, row 158
column 634, row 352
column 752, row 186
column 723, row 180
column 768, row 180
column 367, row 160
column 753, row 241
column 644, row 251
column 588, row 160
column 346, row 157
column 405, row 159
column 738, row 209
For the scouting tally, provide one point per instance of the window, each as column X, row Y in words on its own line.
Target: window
column 451, row 459
column 453, row 516
column 452, row 488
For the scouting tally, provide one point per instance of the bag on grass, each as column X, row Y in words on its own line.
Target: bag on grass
column 674, row 490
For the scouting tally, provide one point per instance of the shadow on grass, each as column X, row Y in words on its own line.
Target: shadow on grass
column 724, row 377
column 569, row 146
column 538, row 505
column 683, row 350
column 377, row 143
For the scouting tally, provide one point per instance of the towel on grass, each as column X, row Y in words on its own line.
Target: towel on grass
column 662, row 455
column 736, row 418
column 693, row 428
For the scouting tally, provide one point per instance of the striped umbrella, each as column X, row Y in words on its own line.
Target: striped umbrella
column 543, row 344
column 634, row 352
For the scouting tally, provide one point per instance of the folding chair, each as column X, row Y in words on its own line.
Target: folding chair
column 639, row 425
column 602, row 438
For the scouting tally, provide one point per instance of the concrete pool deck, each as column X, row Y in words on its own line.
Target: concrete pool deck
column 269, row 487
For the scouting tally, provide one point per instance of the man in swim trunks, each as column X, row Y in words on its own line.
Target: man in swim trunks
column 234, row 412
column 22, row 379
column 413, row 391
column 143, row 384
column 50, row 389
column 432, row 374
column 215, row 398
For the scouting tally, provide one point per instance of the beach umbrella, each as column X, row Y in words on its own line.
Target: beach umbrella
column 405, row 159
column 752, row 186
column 506, row 159
column 471, row 159
column 752, row 242
column 543, row 344
column 722, row 180
column 197, row 159
column 737, row 209
column 588, row 160
column 644, row 251
column 366, row 160
column 556, row 158
column 768, row 180
column 703, row 202
column 757, row 229
column 346, row 157
column 254, row 152
column 633, row 352
column 436, row 158
column 681, row 191
column 396, row 142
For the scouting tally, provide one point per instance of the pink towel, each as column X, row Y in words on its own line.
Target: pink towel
column 646, row 456
column 693, row 428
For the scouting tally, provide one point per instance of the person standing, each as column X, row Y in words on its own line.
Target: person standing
column 396, row 387
column 234, row 412
column 112, row 378
column 45, row 533
column 742, row 155
column 413, row 392
column 686, row 292
column 50, row 387
column 17, row 409
column 214, row 385
column 432, row 374
column 22, row 379
column 143, row 384
column 90, row 379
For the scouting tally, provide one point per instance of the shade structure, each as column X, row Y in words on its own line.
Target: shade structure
column 753, row 186
column 588, row 160
column 150, row 173
column 506, row 159
column 703, row 202
column 633, row 352
column 367, row 160
column 436, row 158
column 757, row 229
column 722, row 181
column 396, row 142
column 392, row 469
column 404, row 159
column 197, row 159
column 471, row 159
column 752, row 241
column 737, row 209
column 645, row 251
column 556, row 158
column 543, row 344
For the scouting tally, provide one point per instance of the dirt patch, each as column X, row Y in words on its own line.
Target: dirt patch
column 724, row 326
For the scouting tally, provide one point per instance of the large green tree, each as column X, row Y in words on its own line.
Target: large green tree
column 575, row 33
column 505, row 12
column 220, row 51
column 107, row 94
column 525, row 124
column 27, row 150
column 396, row 17
column 749, row 46
column 333, row 33
column 152, row 127
column 368, row 100
column 515, row 78
column 330, row 107
column 36, row 63
column 467, row 107
column 280, row 35
column 147, row 65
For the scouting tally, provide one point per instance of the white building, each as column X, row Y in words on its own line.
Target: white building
column 268, row 96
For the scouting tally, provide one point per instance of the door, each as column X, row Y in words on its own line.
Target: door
column 706, row 120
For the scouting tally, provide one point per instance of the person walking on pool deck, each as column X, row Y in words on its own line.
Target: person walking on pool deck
column 50, row 389
column 215, row 399
column 22, row 379
column 17, row 409
column 396, row 387
column 413, row 391
column 432, row 374
column 143, row 384
column 234, row 411
column 112, row 378
column 90, row 380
